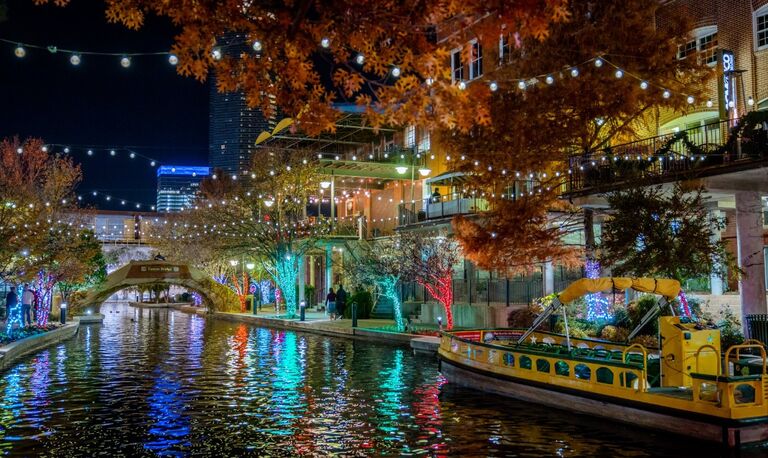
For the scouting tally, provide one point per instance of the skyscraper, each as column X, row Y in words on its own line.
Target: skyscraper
column 233, row 127
column 177, row 186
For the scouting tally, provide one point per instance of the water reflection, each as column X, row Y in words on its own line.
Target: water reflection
column 159, row 383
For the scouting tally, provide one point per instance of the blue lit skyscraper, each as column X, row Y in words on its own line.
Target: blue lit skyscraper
column 177, row 186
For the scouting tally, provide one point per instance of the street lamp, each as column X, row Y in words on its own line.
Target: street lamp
column 424, row 171
column 233, row 262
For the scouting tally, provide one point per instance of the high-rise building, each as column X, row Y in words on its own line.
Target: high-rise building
column 177, row 186
column 233, row 127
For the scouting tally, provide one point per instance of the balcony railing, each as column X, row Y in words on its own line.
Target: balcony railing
column 438, row 207
column 703, row 151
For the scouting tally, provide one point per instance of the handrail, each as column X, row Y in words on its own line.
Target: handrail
column 738, row 353
column 717, row 355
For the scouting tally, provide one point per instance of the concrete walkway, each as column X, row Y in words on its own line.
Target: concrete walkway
column 318, row 323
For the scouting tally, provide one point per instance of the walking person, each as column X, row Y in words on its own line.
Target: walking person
column 330, row 303
column 11, row 301
column 27, row 299
column 341, row 301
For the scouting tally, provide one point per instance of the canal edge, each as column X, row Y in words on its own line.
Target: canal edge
column 12, row 352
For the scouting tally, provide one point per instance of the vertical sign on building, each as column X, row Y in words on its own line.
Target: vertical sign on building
column 727, row 86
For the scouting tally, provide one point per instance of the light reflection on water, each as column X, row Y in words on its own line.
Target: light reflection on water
column 160, row 383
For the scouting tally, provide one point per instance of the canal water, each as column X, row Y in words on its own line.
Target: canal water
column 164, row 383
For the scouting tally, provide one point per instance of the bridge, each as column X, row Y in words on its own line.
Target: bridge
column 216, row 296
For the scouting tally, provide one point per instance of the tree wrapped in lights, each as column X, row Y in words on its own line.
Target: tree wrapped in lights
column 598, row 306
column 377, row 55
column 432, row 258
column 382, row 264
column 259, row 216
column 566, row 113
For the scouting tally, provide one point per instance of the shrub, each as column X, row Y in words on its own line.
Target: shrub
column 364, row 301
column 730, row 329
column 523, row 318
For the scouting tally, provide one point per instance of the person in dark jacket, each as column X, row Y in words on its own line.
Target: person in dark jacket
column 341, row 301
column 11, row 301
column 330, row 303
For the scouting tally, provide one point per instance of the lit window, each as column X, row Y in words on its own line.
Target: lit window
column 457, row 67
column 475, row 60
column 410, row 137
column 761, row 27
column 425, row 143
column 703, row 44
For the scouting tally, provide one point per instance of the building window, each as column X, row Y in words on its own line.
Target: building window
column 761, row 27
column 703, row 44
column 410, row 137
column 457, row 67
column 425, row 142
column 504, row 48
column 475, row 60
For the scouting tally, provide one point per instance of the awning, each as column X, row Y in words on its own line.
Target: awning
column 448, row 178
column 662, row 286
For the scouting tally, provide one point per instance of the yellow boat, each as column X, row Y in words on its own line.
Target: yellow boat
column 685, row 387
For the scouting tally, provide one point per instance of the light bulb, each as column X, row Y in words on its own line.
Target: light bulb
column 153, row 164
column 493, row 86
column 74, row 59
column 619, row 74
column 462, row 85
column 429, row 81
column 643, row 85
column 395, row 71
column 20, row 51
column 574, row 72
column 550, row 79
column 709, row 103
column 132, row 155
column 173, row 59
column 750, row 101
column 325, row 42
column 360, row 59
column 125, row 61
column 690, row 100
column 521, row 85
column 216, row 54
column 90, row 152
column 257, row 45
column 666, row 94
column 112, row 152
column 598, row 62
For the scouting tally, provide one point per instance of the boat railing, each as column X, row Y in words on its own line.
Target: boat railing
column 751, row 344
column 593, row 374
column 625, row 357
column 727, row 389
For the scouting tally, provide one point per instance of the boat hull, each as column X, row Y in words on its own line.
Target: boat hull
column 730, row 434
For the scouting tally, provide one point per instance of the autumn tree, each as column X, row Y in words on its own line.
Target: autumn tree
column 302, row 56
column 658, row 232
column 558, row 99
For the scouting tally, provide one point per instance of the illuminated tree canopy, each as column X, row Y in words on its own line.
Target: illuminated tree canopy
column 301, row 56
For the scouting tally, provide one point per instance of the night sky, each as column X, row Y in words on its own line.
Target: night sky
column 99, row 103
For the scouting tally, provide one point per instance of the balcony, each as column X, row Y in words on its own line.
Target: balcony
column 705, row 151
column 440, row 207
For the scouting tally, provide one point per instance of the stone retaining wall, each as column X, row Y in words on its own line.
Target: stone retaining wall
column 11, row 352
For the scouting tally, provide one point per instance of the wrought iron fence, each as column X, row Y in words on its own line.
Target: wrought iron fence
column 705, row 149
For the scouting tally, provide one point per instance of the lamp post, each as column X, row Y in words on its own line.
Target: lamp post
column 250, row 266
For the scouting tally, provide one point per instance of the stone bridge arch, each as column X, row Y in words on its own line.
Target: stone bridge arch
column 216, row 296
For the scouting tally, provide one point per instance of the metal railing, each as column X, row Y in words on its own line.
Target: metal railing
column 705, row 150
column 440, row 206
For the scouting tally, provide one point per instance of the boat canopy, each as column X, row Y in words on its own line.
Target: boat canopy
column 663, row 286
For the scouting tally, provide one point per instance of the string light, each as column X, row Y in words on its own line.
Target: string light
column 125, row 61
column 574, row 72
column 550, row 79
column 493, row 86
column 643, row 85
column 173, row 59
column 216, row 54
column 619, row 74
column 598, row 62
column 325, row 42
column 256, row 45
column 359, row 59
column 462, row 85
column 395, row 71
column 74, row 59
column 20, row 51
